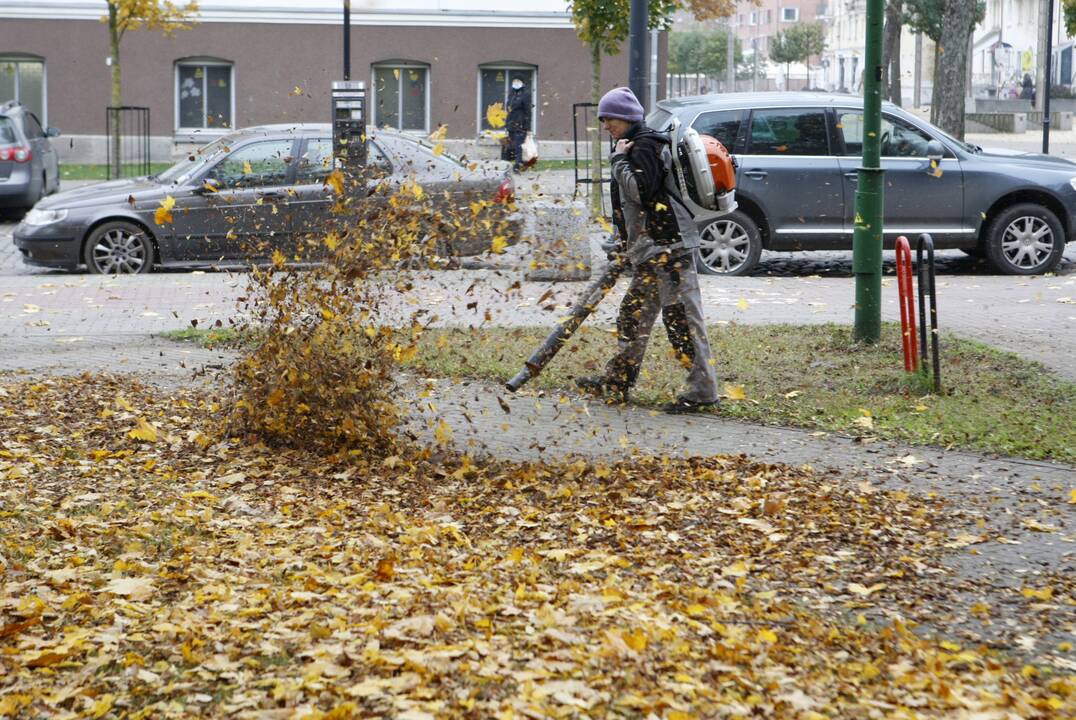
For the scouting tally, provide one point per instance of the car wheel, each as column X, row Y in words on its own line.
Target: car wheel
column 1025, row 239
column 729, row 245
column 118, row 248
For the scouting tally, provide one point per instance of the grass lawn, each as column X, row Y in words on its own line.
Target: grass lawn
column 815, row 377
column 805, row 376
column 82, row 171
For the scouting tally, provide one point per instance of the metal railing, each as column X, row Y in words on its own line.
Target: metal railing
column 127, row 134
column 587, row 176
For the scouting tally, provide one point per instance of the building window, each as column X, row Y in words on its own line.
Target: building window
column 23, row 79
column 401, row 92
column 769, row 17
column 790, row 14
column 205, row 95
column 494, row 84
column 753, row 18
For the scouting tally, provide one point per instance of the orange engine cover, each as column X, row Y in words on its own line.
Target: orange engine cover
column 721, row 165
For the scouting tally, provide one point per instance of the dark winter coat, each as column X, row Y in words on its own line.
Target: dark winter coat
column 519, row 110
column 644, row 195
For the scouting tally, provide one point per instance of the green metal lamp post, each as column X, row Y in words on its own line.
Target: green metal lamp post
column 867, row 235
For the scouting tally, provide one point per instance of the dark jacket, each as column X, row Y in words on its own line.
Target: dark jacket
column 519, row 110
column 644, row 195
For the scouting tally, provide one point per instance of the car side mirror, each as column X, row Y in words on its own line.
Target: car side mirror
column 935, row 151
column 53, row 132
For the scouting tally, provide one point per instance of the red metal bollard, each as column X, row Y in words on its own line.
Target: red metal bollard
column 907, row 304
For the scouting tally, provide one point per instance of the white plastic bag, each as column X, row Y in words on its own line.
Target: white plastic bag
column 529, row 150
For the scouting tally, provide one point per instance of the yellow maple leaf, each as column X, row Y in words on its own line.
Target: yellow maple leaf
column 735, row 392
column 767, row 636
column 336, row 182
column 636, row 640
column 736, row 569
column 102, row 706
column 605, row 224
column 437, row 137
column 742, row 304
column 332, row 241
column 163, row 215
column 496, row 115
column 1044, row 594
column 499, row 244
column 278, row 259
column 143, row 431
column 442, row 433
column 1072, row 498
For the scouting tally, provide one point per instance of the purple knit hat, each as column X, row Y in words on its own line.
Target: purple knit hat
column 620, row 103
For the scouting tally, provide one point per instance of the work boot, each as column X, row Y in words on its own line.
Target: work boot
column 683, row 406
column 601, row 386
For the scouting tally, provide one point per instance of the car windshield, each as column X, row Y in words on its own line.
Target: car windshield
column 659, row 119
column 183, row 169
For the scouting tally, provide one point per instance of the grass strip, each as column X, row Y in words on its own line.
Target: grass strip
column 86, row 171
column 813, row 377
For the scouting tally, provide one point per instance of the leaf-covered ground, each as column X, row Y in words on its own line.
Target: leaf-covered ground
column 151, row 570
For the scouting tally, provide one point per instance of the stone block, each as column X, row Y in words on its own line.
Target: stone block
column 559, row 241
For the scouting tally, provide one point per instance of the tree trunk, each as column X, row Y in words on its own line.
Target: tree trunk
column 891, row 51
column 596, row 209
column 951, row 74
column 934, row 84
column 117, row 90
column 1040, row 55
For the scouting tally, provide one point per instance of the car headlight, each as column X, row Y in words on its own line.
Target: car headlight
column 44, row 217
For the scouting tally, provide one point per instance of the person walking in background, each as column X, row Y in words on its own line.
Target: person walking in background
column 519, row 109
column 1027, row 91
column 658, row 237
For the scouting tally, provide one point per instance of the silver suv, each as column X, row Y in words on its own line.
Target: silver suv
column 29, row 168
column 798, row 154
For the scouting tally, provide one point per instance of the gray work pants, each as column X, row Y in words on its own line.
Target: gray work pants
column 670, row 285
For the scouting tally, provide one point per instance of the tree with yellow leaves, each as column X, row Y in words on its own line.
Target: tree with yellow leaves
column 603, row 26
column 163, row 16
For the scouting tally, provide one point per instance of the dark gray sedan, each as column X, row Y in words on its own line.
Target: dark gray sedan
column 798, row 154
column 236, row 200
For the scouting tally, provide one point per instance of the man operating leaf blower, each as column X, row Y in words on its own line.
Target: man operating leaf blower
column 658, row 237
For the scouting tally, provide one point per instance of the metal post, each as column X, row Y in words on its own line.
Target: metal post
column 867, row 235
column 1048, row 79
column 730, row 59
column 347, row 39
column 754, row 61
column 637, row 49
column 653, row 84
column 917, row 97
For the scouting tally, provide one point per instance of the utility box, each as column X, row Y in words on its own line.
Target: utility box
column 349, row 125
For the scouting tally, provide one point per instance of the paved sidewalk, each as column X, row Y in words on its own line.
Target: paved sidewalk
column 1035, row 317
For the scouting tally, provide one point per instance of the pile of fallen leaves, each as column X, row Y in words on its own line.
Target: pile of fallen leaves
column 149, row 570
column 320, row 371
